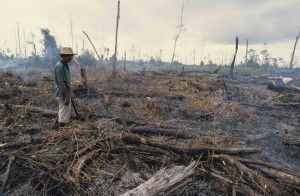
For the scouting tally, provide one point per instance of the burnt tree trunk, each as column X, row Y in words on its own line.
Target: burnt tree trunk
column 124, row 67
column 92, row 45
column 180, row 29
column 236, row 49
column 246, row 59
column 292, row 57
column 84, row 78
column 116, row 40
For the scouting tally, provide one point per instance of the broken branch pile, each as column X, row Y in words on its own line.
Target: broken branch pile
column 68, row 160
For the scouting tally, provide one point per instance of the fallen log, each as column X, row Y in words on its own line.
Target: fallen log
column 33, row 129
column 19, row 144
column 268, row 165
column 135, row 139
column 287, row 104
column 154, row 131
column 255, row 180
column 282, row 89
column 164, row 181
column 281, row 176
column 289, row 142
column 259, row 106
column 42, row 111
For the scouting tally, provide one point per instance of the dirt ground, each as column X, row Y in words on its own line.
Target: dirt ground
column 214, row 110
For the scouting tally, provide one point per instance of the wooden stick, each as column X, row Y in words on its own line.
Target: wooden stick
column 153, row 131
column 7, row 174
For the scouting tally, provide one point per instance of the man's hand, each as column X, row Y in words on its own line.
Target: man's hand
column 65, row 92
column 67, row 100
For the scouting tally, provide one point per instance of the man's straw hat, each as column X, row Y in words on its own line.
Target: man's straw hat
column 67, row 51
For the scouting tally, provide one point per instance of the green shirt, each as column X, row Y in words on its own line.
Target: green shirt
column 62, row 74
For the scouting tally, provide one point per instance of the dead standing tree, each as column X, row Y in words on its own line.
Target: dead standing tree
column 116, row 41
column 92, row 45
column 292, row 57
column 181, row 27
column 246, row 57
column 20, row 53
column 236, row 49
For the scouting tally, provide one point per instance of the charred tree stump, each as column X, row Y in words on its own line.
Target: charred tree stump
column 84, row 79
column 124, row 66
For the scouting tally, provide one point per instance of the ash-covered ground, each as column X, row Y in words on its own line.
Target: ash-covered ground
column 209, row 110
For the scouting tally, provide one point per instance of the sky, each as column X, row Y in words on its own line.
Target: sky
column 148, row 27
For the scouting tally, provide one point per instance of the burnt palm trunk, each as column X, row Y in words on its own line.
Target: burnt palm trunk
column 236, row 49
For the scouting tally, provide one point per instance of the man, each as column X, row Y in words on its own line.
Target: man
column 63, row 90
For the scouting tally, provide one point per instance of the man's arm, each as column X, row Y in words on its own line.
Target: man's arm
column 65, row 92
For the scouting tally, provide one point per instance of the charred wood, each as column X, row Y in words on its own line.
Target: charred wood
column 153, row 131
column 268, row 165
column 135, row 139
column 255, row 180
column 282, row 89
column 164, row 181
column 42, row 111
column 22, row 143
column 259, row 106
column 281, row 176
column 7, row 175
column 74, row 170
